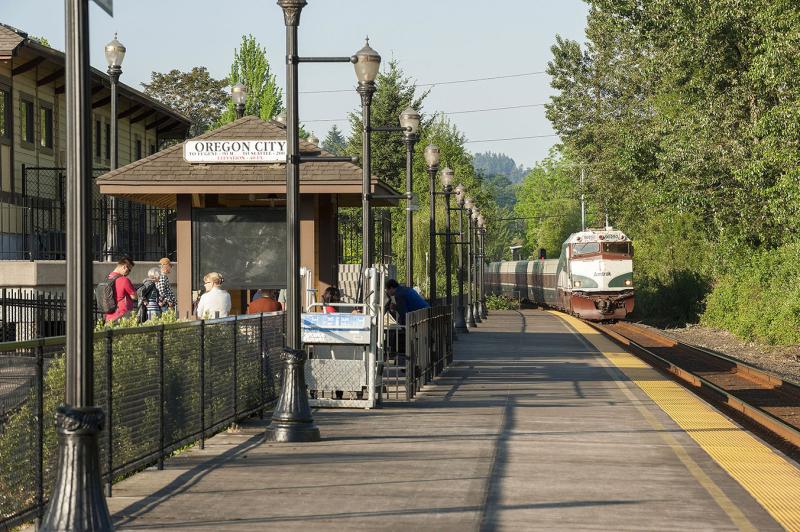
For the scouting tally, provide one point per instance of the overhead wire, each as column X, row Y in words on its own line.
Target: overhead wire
column 450, row 82
column 484, row 110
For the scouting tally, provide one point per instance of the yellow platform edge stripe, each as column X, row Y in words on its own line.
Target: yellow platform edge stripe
column 770, row 478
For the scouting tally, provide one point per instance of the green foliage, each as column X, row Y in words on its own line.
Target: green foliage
column 251, row 67
column 548, row 198
column 496, row 302
column 195, row 94
column 760, row 300
column 334, row 142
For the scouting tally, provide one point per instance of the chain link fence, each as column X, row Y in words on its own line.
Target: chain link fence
column 161, row 387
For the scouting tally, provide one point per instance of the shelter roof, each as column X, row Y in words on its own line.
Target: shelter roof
column 10, row 39
column 158, row 178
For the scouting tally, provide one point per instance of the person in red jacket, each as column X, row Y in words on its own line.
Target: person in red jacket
column 124, row 292
column 266, row 303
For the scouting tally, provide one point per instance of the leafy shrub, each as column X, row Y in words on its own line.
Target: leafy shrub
column 760, row 300
column 495, row 302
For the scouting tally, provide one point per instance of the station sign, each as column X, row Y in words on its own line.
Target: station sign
column 214, row 151
column 335, row 328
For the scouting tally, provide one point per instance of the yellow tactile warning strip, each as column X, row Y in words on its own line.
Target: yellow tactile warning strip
column 771, row 479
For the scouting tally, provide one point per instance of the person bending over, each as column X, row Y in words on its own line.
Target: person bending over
column 405, row 300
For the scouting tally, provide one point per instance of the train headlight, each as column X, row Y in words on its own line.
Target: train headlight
column 576, row 284
column 628, row 282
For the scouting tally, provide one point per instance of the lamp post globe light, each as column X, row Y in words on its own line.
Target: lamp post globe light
column 239, row 96
column 432, row 160
column 410, row 120
column 281, row 117
column 115, row 53
column 313, row 139
column 367, row 63
column 484, row 313
column 291, row 419
column 476, row 315
column 77, row 501
column 470, row 317
column 460, row 324
column 446, row 178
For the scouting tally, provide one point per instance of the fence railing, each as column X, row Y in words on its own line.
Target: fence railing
column 349, row 236
column 33, row 222
column 27, row 314
column 429, row 346
column 161, row 388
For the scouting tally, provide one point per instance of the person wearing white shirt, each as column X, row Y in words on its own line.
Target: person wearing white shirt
column 215, row 300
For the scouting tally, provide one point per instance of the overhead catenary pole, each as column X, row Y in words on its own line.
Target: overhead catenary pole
column 77, row 501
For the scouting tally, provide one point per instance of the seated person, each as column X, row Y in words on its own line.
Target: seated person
column 405, row 300
column 331, row 295
column 268, row 302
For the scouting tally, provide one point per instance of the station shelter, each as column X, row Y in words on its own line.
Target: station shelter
column 228, row 187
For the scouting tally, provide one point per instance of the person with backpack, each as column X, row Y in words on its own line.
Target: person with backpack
column 149, row 296
column 115, row 295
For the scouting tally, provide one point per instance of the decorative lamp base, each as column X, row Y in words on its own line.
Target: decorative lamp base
column 291, row 420
column 77, row 502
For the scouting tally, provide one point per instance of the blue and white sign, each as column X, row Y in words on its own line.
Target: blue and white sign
column 335, row 328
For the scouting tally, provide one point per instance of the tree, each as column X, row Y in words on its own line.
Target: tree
column 251, row 68
column 195, row 94
column 492, row 164
column 334, row 142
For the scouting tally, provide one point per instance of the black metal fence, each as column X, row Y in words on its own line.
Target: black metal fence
column 26, row 314
column 428, row 350
column 349, row 223
column 33, row 222
column 161, row 388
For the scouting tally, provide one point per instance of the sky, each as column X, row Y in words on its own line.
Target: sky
column 433, row 41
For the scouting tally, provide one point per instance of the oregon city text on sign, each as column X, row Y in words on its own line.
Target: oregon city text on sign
column 234, row 151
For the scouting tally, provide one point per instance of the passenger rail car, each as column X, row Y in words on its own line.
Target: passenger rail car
column 592, row 279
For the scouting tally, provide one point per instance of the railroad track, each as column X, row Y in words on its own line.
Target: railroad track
column 769, row 401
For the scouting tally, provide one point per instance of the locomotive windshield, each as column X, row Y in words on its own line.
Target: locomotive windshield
column 585, row 248
column 622, row 248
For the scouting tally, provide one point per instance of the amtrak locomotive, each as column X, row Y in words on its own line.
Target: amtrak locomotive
column 592, row 279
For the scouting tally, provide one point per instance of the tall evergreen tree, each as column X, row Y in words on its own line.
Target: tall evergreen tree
column 334, row 142
column 251, row 67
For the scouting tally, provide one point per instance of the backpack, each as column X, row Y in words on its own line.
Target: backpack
column 105, row 294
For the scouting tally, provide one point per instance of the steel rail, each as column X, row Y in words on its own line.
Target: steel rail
column 708, row 389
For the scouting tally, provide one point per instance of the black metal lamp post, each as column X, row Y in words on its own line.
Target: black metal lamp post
column 447, row 186
column 291, row 419
column 470, row 317
column 460, row 324
column 476, row 314
column 410, row 119
column 484, row 313
column 115, row 53
column 432, row 159
column 239, row 96
column 368, row 61
column 77, row 502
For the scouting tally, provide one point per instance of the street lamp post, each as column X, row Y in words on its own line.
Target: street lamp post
column 115, row 53
column 482, row 289
column 432, row 159
column 468, row 205
column 459, row 323
column 77, row 501
column 239, row 96
column 410, row 119
column 476, row 313
column 367, row 63
column 447, row 187
column 291, row 418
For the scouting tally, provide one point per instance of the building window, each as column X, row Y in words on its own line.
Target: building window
column 5, row 113
column 108, row 141
column 137, row 149
column 46, row 126
column 98, row 139
column 26, row 121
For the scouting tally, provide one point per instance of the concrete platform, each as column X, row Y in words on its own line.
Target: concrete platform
column 531, row 429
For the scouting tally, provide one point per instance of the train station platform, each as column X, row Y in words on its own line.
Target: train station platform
column 539, row 424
